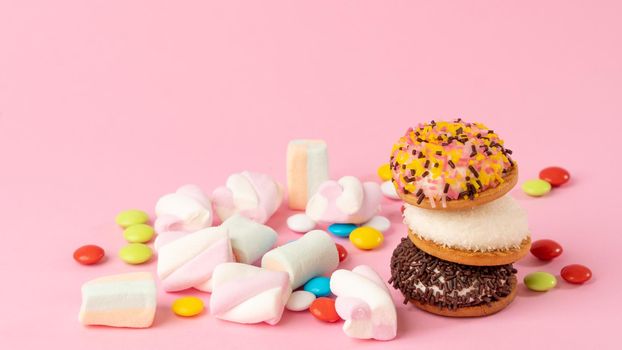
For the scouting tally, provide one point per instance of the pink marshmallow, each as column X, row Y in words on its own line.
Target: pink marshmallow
column 256, row 196
column 345, row 201
column 189, row 261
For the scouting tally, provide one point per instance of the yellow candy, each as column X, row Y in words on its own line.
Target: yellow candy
column 187, row 306
column 385, row 172
column 366, row 237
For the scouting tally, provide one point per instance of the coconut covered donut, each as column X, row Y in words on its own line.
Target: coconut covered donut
column 450, row 289
column 494, row 233
column 451, row 165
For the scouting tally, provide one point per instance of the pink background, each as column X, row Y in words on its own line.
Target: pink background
column 106, row 105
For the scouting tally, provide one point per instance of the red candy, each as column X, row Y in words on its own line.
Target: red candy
column 343, row 253
column 576, row 274
column 88, row 254
column 554, row 175
column 546, row 249
column 324, row 310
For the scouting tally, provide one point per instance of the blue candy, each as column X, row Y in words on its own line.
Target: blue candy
column 320, row 286
column 341, row 230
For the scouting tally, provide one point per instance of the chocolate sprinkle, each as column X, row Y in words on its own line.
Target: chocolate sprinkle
column 446, row 189
column 415, row 273
column 473, row 171
column 451, row 164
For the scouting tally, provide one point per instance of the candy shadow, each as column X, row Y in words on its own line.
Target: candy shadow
column 531, row 261
column 164, row 315
column 524, row 292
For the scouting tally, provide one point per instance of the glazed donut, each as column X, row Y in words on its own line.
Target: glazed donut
column 455, row 164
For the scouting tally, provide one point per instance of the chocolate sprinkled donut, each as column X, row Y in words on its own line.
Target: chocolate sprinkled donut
column 456, row 150
column 429, row 280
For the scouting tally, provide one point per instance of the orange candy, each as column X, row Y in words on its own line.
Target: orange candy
column 324, row 310
column 88, row 254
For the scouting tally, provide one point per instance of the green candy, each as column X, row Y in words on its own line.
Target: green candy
column 135, row 253
column 131, row 217
column 540, row 281
column 140, row 233
column 536, row 187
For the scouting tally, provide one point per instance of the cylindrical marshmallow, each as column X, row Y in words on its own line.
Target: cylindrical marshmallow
column 307, row 168
column 125, row 300
column 250, row 240
column 312, row 255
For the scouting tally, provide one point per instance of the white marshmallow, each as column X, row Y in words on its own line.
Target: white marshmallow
column 347, row 200
column 256, row 196
column 248, row 294
column 351, row 199
column 188, row 209
column 364, row 302
column 125, row 300
column 190, row 261
column 311, row 255
column 249, row 239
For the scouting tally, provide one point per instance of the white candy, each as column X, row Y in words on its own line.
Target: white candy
column 300, row 223
column 380, row 223
column 249, row 239
column 313, row 254
column 300, row 300
column 388, row 189
column 364, row 302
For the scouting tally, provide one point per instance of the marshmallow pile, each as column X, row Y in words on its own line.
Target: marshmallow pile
column 251, row 280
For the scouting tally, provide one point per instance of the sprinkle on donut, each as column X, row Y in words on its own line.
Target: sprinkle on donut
column 444, row 161
column 430, row 280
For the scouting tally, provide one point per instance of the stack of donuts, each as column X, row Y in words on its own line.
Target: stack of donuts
column 464, row 230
